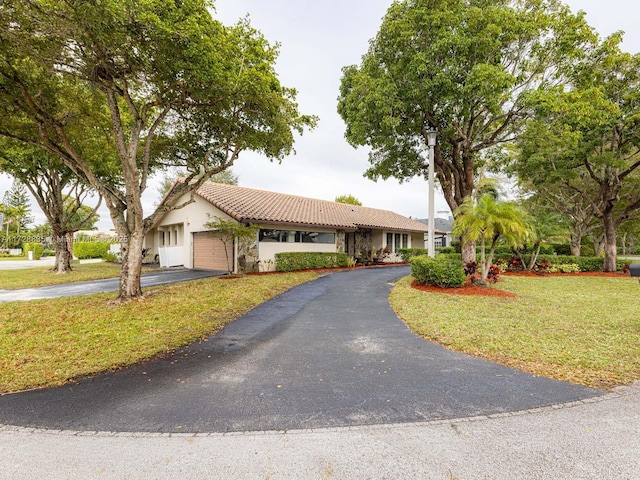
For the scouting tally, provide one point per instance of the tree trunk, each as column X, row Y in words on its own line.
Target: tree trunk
column 598, row 244
column 468, row 251
column 575, row 245
column 63, row 252
column 131, row 268
column 63, row 259
column 610, row 243
column 534, row 256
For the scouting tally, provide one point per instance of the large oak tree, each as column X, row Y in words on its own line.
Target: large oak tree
column 59, row 193
column 172, row 85
column 461, row 67
column 586, row 137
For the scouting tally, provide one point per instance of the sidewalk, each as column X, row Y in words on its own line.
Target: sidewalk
column 595, row 439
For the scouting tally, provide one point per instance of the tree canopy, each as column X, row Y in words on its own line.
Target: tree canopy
column 461, row 67
column 164, row 82
column 17, row 207
column 348, row 199
column 586, row 138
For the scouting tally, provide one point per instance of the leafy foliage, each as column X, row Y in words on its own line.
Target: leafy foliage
column 489, row 220
column 348, row 199
column 293, row 261
column 585, row 140
column 84, row 250
column 408, row 253
column 36, row 248
column 585, row 264
column 58, row 191
column 164, row 82
column 440, row 271
column 462, row 67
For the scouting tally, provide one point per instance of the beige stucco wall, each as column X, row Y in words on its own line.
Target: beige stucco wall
column 184, row 222
column 268, row 250
column 417, row 240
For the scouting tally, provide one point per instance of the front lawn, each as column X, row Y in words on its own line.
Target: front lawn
column 48, row 342
column 584, row 330
column 43, row 276
column 10, row 258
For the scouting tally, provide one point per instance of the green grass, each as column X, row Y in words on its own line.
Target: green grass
column 12, row 258
column 49, row 342
column 585, row 330
column 43, row 276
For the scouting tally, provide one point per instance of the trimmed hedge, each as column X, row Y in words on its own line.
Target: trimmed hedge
column 36, row 248
column 441, row 271
column 586, row 264
column 84, row 250
column 408, row 253
column 292, row 261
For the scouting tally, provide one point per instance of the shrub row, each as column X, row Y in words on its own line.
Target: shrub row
column 36, row 248
column 441, row 271
column 291, row 261
column 84, row 250
column 585, row 264
column 408, row 253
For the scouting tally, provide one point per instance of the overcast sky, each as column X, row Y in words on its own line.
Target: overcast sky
column 318, row 38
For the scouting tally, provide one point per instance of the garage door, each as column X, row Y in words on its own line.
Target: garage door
column 208, row 252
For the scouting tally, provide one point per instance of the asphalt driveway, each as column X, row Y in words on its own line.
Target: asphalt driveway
column 161, row 277
column 327, row 353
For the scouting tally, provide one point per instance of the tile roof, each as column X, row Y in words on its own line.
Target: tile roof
column 249, row 205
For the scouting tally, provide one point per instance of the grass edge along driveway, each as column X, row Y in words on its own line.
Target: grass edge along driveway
column 584, row 330
column 43, row 276
column 49, row 342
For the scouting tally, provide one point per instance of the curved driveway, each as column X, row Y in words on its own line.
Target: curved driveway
column 327, row 353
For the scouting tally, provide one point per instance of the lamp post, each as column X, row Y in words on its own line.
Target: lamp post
column 432, row 135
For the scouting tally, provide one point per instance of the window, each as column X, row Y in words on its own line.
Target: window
column 396, row 241
column 315, row 237
column 272, row 236
column 291, row 236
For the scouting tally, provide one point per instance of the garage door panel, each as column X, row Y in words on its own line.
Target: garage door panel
column 209, row 252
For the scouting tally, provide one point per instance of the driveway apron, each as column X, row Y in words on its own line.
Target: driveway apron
column 325, row 354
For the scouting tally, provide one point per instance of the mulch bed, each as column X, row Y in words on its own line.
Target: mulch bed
column 470, row 290
column 558, row 274
column 474, row 290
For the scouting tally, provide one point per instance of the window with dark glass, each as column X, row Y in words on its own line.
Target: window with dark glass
column 269, row 235
column 396, row 241
column 272, row 235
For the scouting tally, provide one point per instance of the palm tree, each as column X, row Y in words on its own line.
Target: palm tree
column 490, row 220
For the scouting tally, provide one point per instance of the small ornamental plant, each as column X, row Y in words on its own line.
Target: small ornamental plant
column 494, row 274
